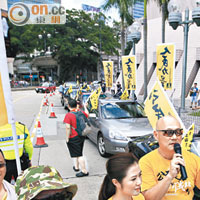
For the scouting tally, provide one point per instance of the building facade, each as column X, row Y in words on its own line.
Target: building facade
column 154, row 37
column 11, row 2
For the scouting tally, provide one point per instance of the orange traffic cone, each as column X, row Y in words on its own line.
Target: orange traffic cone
column 45, row 101
column 52, row 114
column 40, row 139
column 50, row 94
column 53, row 93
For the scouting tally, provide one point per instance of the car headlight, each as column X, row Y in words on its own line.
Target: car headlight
column 44, row 88
column 116, row 135
column 36, row 88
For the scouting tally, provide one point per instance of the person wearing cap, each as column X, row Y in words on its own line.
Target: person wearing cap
column 43, row 182
column 7, row 191
column 7, row 146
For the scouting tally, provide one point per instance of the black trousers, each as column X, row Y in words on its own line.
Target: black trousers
column 11, row 168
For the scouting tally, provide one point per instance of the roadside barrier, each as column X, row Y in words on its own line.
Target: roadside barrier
column 52, row 114
column 40, row 139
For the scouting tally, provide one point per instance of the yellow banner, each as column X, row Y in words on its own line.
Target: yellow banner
column 94, row 98
column 165, row 64
column 108, row 72
column 70, row 89
column 129, row 72
column 157, row 105
column 3, row 110
column 187, row 140
column 124, row 95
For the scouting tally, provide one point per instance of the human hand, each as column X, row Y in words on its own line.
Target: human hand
column 175, row 165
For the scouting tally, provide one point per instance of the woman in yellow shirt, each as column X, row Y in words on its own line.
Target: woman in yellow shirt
column 123, row 179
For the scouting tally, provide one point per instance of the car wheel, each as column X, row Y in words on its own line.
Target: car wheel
column 101, row 146
column 36, row 91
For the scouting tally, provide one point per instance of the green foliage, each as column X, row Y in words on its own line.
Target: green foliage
column 75, row 44
column 195, row 113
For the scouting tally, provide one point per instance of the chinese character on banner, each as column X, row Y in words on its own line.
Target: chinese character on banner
column 165, row 64
column 129, row 72
column 108, row 72
column 187, row 140
column 158, row 105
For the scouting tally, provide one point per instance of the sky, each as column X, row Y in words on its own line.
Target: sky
column 77, row 4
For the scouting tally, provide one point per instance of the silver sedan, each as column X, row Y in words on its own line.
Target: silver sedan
column 115, row 123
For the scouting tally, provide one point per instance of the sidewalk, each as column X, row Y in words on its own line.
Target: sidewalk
column 57, row 155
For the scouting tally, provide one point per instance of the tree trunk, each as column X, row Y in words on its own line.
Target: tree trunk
column 122, row 37
column 163, row 20
column 145, row 49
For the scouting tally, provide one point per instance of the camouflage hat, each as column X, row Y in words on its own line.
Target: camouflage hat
column 40, row 178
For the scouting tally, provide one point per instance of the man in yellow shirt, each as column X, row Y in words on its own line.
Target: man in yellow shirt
column 161, row 177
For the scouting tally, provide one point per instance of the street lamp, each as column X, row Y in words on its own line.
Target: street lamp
column 44, row 36
column 175, row 19
column 135, row 35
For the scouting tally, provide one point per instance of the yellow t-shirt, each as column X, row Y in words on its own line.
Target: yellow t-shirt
column 154, row 168
column 5, row 196
column 139, row 197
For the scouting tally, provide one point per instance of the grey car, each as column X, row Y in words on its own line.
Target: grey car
column 115, row 123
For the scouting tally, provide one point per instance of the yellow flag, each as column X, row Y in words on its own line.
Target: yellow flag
column 3, row 115
column 165, row 64
column 6, row 105
column 158, row 105
column 70, row 89
column 108, row 72
column 94, row 98
column 124, row 95
column 129, row 72
column 88, row 88
column 187, row 140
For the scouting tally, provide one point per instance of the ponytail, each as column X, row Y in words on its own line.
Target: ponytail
column 107, row 189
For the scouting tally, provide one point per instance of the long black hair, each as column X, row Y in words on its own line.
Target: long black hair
column 116, row 167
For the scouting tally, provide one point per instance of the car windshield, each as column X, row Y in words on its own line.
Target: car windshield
column 122, row 110
column 45, row 85
column 73, row 84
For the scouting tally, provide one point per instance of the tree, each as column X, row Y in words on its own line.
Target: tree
column 123, row 7
column 75, row 45
column 163, row 5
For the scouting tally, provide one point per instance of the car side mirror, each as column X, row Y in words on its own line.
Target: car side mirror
column 92, row 115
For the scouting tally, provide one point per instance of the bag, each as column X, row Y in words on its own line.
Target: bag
column 25, row 162
column 82, row 123
column 87, row 130
column 191, row 94
column 24, row 159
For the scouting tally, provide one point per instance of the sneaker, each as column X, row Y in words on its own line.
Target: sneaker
column 81, row 174
column 76, row 170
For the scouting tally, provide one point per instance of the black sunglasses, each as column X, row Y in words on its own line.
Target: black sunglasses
column 2, row 165
column 170, row 133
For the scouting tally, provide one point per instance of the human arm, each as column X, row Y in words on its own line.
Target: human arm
column 28, row 146
column 156, row 189
column 68, row 131
column 85, row 108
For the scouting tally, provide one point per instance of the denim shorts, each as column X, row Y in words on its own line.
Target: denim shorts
column 193, row 99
